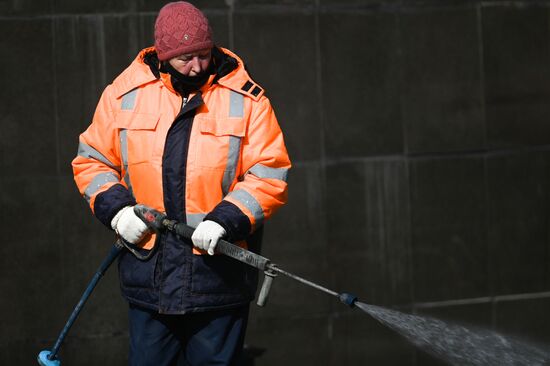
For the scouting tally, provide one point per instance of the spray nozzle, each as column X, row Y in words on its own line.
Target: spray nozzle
column 348, row 299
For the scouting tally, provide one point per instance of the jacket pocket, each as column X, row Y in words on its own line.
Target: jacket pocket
column 138, row 136
column 219, row 142
column 135, row 273
column 220, row 275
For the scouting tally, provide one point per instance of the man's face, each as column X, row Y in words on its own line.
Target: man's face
column 191, row 64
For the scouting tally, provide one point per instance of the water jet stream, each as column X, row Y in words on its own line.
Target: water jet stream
column 457, row 344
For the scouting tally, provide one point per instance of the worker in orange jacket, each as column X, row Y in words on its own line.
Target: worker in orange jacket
column 186, row 131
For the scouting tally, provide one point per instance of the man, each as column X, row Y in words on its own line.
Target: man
column 186, row 131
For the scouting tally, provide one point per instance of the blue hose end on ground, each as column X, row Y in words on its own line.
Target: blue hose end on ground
column 43, row 359
column 348, row 299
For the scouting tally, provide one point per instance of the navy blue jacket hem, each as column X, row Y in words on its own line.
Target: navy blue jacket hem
column 194, row 309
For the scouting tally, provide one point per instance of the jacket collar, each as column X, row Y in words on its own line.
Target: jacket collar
column 135, row 75
column 139, row 73
column 239, row 80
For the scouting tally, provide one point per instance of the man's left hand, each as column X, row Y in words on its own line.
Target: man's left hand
column 206, row 236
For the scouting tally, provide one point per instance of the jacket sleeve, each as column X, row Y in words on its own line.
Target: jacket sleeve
column 97, row 167
column 261, row 188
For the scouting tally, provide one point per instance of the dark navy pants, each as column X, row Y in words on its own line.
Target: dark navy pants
column 205, row 338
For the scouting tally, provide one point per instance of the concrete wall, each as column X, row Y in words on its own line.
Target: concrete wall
column 421, row 146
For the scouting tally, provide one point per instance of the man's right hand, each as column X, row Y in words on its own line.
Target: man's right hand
column 130, row 227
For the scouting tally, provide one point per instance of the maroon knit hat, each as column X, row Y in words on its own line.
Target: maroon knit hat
column 181, row 28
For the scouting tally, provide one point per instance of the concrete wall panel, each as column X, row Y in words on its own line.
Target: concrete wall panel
column 291, row 82
column 360, row 80
column 516, row 95
column 442, row 101
column 518, row 222
column 449, row 228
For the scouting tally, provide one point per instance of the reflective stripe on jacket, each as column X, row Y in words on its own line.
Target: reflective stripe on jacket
column 222, row 157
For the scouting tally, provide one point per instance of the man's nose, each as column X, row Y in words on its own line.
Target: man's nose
column 195, row 64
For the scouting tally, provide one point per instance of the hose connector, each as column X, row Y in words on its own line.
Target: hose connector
column 348, row 299
column 44, row 359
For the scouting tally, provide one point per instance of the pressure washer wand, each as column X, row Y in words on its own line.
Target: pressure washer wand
column 159, row 222
column 304, row 281
column 346, row 298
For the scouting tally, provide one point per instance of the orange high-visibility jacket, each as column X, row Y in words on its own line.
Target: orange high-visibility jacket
column 236, row 151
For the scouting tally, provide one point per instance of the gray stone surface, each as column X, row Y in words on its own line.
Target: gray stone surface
column 31, row 270
column 368, row 230
column 80, row 80
column 516, row 95
column 90, row 350
column 524, row 318
column 369, row 3
column 146, row 29
column 25, row 7
column 295, row 240
column 290, row 82
column 156, row 5
column 119, row 30
column 518, row 222
column 356, row 339
column 253, row 3
column 86, row 243
column 360, row 83
column 299, row 340
column 441, row 95
column 219, row 21
column 449, row 228
column 21, row 351
column 86, row 7
column 27, row 111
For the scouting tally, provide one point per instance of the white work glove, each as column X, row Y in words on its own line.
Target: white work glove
column 206, row 236
column 130, row 227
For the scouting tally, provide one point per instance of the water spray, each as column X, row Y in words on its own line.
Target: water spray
column 459, row 345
